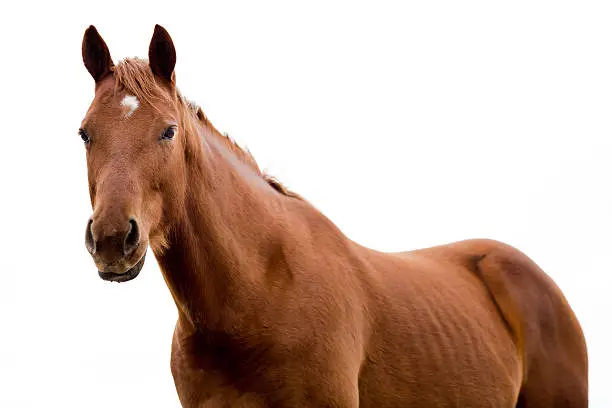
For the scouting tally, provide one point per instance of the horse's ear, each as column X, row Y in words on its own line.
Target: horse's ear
column 162, row 55
column 96, row 56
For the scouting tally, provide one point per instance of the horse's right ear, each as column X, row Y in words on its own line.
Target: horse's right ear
column 96, row 56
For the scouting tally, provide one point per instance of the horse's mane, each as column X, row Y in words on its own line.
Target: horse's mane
column 135, row 76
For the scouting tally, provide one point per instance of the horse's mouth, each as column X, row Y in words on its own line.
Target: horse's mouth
column 123, row 277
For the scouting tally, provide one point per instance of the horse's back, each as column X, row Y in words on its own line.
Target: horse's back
column 474, row 323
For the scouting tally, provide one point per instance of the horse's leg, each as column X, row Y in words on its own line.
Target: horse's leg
column 554, row 385
column 545, row 389
column 556, row 373
column 544, row 327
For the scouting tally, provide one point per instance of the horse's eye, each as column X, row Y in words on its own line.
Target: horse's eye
column 169, row 133
column 84, row 135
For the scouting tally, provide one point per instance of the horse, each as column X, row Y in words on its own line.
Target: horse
column 276, row 306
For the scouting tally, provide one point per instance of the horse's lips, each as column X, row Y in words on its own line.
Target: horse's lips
column 124, row 277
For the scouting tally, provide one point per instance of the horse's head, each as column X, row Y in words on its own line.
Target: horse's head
column 135, row 154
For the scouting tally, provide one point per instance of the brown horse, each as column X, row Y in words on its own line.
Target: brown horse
column 277, row 308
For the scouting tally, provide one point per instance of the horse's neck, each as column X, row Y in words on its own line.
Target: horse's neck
column 219, row 250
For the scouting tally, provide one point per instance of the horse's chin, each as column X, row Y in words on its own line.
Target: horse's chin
column 126, row 276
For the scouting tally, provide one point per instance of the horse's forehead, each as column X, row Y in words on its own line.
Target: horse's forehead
column 113, row 112
column 129, row 104
column 117, row 98
column 119, row 104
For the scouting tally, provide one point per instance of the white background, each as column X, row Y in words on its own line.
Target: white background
column 408, row 124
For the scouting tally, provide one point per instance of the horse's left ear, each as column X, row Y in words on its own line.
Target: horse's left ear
column 162, row 55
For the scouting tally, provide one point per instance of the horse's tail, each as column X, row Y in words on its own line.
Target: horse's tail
column 544, row 328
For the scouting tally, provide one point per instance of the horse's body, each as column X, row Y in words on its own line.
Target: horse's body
column 472, row 324
column 277, row 308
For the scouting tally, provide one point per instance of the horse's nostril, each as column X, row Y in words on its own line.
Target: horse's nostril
column 132, row 239
column 90, row 244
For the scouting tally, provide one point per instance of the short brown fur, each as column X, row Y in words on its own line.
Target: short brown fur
column 277, row 308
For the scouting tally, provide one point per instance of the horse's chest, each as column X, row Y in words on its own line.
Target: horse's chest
column 218, row 372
